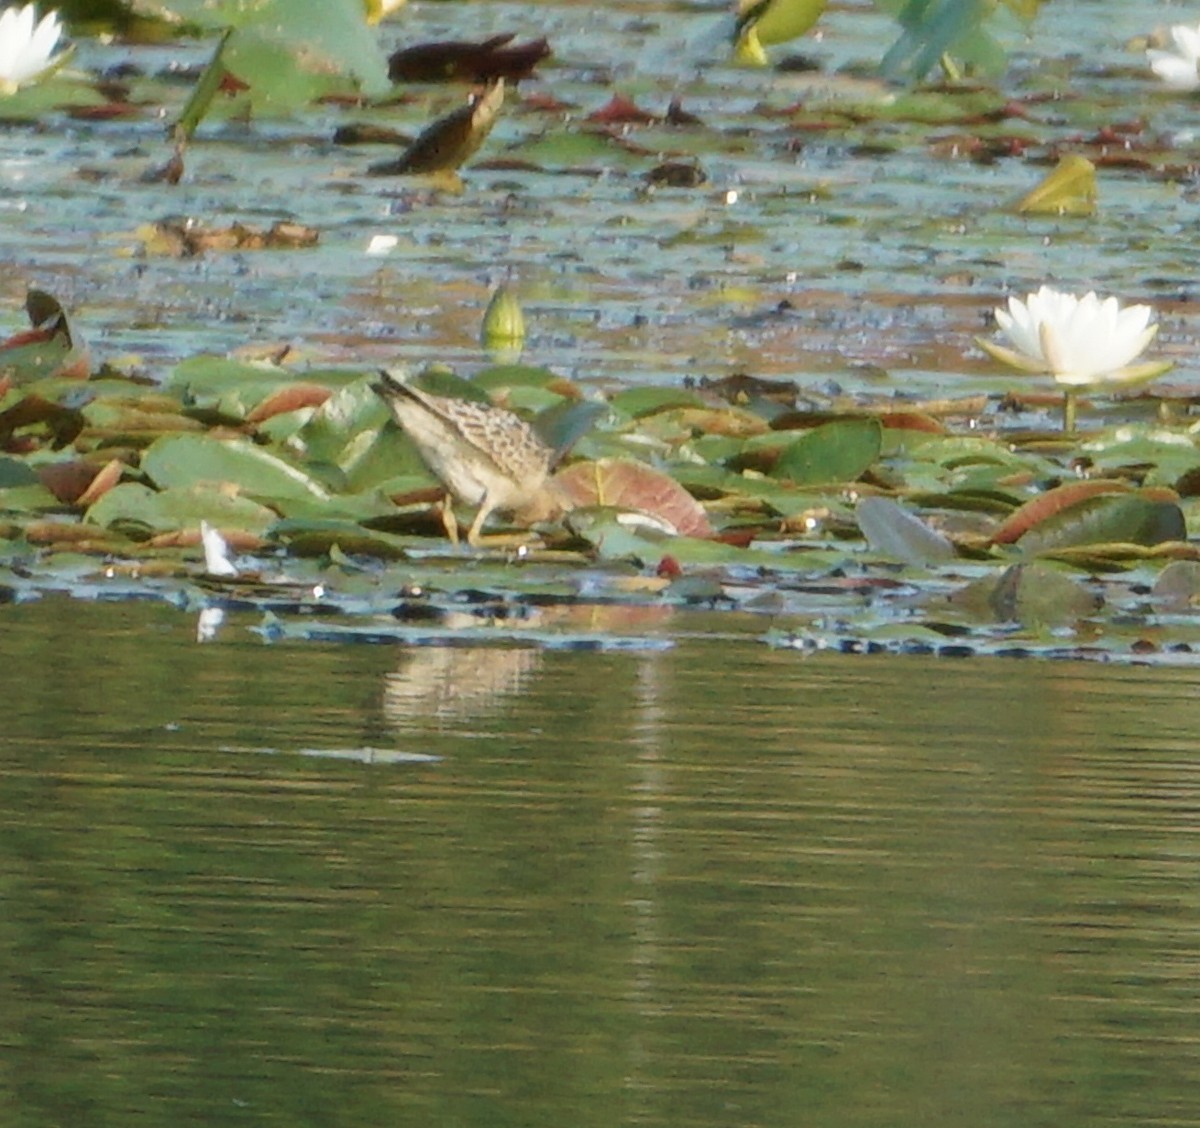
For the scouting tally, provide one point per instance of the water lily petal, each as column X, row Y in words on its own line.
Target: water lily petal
column 1017, row 360
column 1178, row 68
column 1187, row 41
column 25, row 51
column 1138, row 373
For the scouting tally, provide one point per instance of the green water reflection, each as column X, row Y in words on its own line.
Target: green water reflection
column 715, row 885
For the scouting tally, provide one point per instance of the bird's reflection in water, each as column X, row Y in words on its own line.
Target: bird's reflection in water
column 455, row 683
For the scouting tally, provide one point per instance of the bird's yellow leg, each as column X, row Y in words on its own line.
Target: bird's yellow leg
column 477, row 525
column 449, row 521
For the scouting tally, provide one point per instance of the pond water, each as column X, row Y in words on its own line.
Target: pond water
column 891, row 243
column 711, row 884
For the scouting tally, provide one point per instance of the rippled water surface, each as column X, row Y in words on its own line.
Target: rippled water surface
column 709, row 885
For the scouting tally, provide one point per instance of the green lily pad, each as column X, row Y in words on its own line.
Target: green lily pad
column 186, row 460
column 836, row 452
column 139, row 512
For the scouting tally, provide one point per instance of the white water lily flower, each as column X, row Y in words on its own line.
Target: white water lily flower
column 1081, row 342
column 27, row 46
column 1180, row 68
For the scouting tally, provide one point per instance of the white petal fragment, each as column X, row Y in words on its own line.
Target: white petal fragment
column 218, row 560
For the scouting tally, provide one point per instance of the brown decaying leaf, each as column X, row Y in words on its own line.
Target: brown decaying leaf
column 183, row 238
column 292, row 398
column 68, row 480
column 239, row 540
column 60, row 532
column 109, row 475
column 1054, row 501
column 450, row 141
column 455, row 60
column 630, row 485
column 619, row 110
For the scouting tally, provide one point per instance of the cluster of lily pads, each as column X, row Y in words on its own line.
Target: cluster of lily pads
column 739, row 491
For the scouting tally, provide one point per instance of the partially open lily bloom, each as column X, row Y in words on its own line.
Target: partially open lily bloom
column 1081, row 342
column 27, row 46
column 1178, row 68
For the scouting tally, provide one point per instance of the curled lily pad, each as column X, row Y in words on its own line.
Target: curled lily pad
column 49, row 348
column 1142, row 518
column 622, row 484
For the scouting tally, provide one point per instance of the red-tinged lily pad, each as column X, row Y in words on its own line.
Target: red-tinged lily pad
column 234, row 465
column 293, row 397
column 49, row 348
column 620, row 110
column 836, row 452
column 1052, row 502
column 912, row 421
column 1130, row 519
column 621, row 484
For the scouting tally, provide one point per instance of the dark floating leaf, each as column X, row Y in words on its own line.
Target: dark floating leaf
column 456, row 60
column 1029, row 594
column 676, row 174
column 450, row 141
column 366, row 133
column 1178, row 586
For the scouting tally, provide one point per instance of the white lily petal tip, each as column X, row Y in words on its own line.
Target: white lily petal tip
column 218, row 561
column 27, row 46
column 1178, row 64
column 382, row 244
